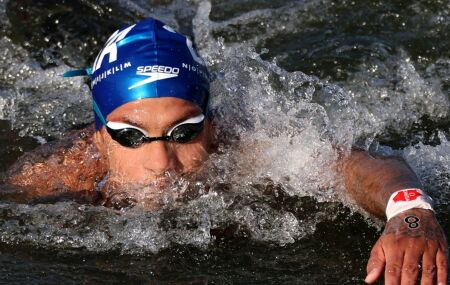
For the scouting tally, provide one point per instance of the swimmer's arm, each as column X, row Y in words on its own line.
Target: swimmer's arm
column 68, row 165
column 371, row 180
column 403, row 254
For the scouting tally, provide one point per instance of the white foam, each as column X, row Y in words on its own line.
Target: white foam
column 432, row 164
column 280, row 133
column 40, row 101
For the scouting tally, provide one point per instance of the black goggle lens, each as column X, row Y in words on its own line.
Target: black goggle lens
column 127, row 137
column 133, row 138
column 186, row 133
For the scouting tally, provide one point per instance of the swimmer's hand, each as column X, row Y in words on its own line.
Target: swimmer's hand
column 412, row 246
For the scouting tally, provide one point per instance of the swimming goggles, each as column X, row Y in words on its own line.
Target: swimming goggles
column 131, row 136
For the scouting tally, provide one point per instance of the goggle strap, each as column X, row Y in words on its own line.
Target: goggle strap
column 78, row 72
column 98, row 112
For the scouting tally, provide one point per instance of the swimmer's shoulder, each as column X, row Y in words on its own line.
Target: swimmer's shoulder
column 70, row 164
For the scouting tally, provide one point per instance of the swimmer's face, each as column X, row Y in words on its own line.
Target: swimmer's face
column 150, row 161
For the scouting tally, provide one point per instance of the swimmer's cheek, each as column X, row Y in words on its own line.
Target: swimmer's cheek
column 410, row 249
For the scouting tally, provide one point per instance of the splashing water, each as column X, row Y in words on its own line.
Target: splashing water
column 272, row 178
column 293, row 151
column 272, row 133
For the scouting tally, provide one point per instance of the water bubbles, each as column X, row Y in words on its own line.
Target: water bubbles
column 35, row 94
column 272, row 178
column 432, row 163
column 279, row 147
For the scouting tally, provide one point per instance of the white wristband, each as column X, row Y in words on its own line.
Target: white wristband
column 406, row 199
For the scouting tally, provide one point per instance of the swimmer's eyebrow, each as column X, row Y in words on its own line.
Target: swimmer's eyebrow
column 184, row 118
column 130, row 121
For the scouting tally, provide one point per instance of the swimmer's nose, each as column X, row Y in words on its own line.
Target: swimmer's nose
column 159, row 157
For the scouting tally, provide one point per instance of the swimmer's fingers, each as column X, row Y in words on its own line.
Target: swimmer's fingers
column 414, row 254
column 434, row 264
column 395, row 254
column 429, row 263
column 435, row 257
column 441, row 264
column 376, row 263
column 414, row 248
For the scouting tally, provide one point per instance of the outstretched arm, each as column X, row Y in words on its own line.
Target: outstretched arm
column 412, row 241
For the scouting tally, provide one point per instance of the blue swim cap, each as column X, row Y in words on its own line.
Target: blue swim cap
column 146, row 60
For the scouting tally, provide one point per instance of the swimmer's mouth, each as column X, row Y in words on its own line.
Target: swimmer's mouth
column 125, row 200
column 150, row 196
column 120, row 201
column 167, row 189
column 160, row 183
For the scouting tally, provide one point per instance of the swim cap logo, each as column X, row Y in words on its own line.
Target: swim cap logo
column 155, row 73
column 111, row 47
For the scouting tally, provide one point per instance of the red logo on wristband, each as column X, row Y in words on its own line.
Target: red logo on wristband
column 407, row 195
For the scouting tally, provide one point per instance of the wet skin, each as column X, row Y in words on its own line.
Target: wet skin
column 151, row 161
column 369, row 179
column 403, row 253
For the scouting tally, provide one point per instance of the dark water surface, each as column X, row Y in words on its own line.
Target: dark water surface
column 326, row 257
column 307, row 75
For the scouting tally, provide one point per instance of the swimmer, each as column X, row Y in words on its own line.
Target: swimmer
column 150, row 98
